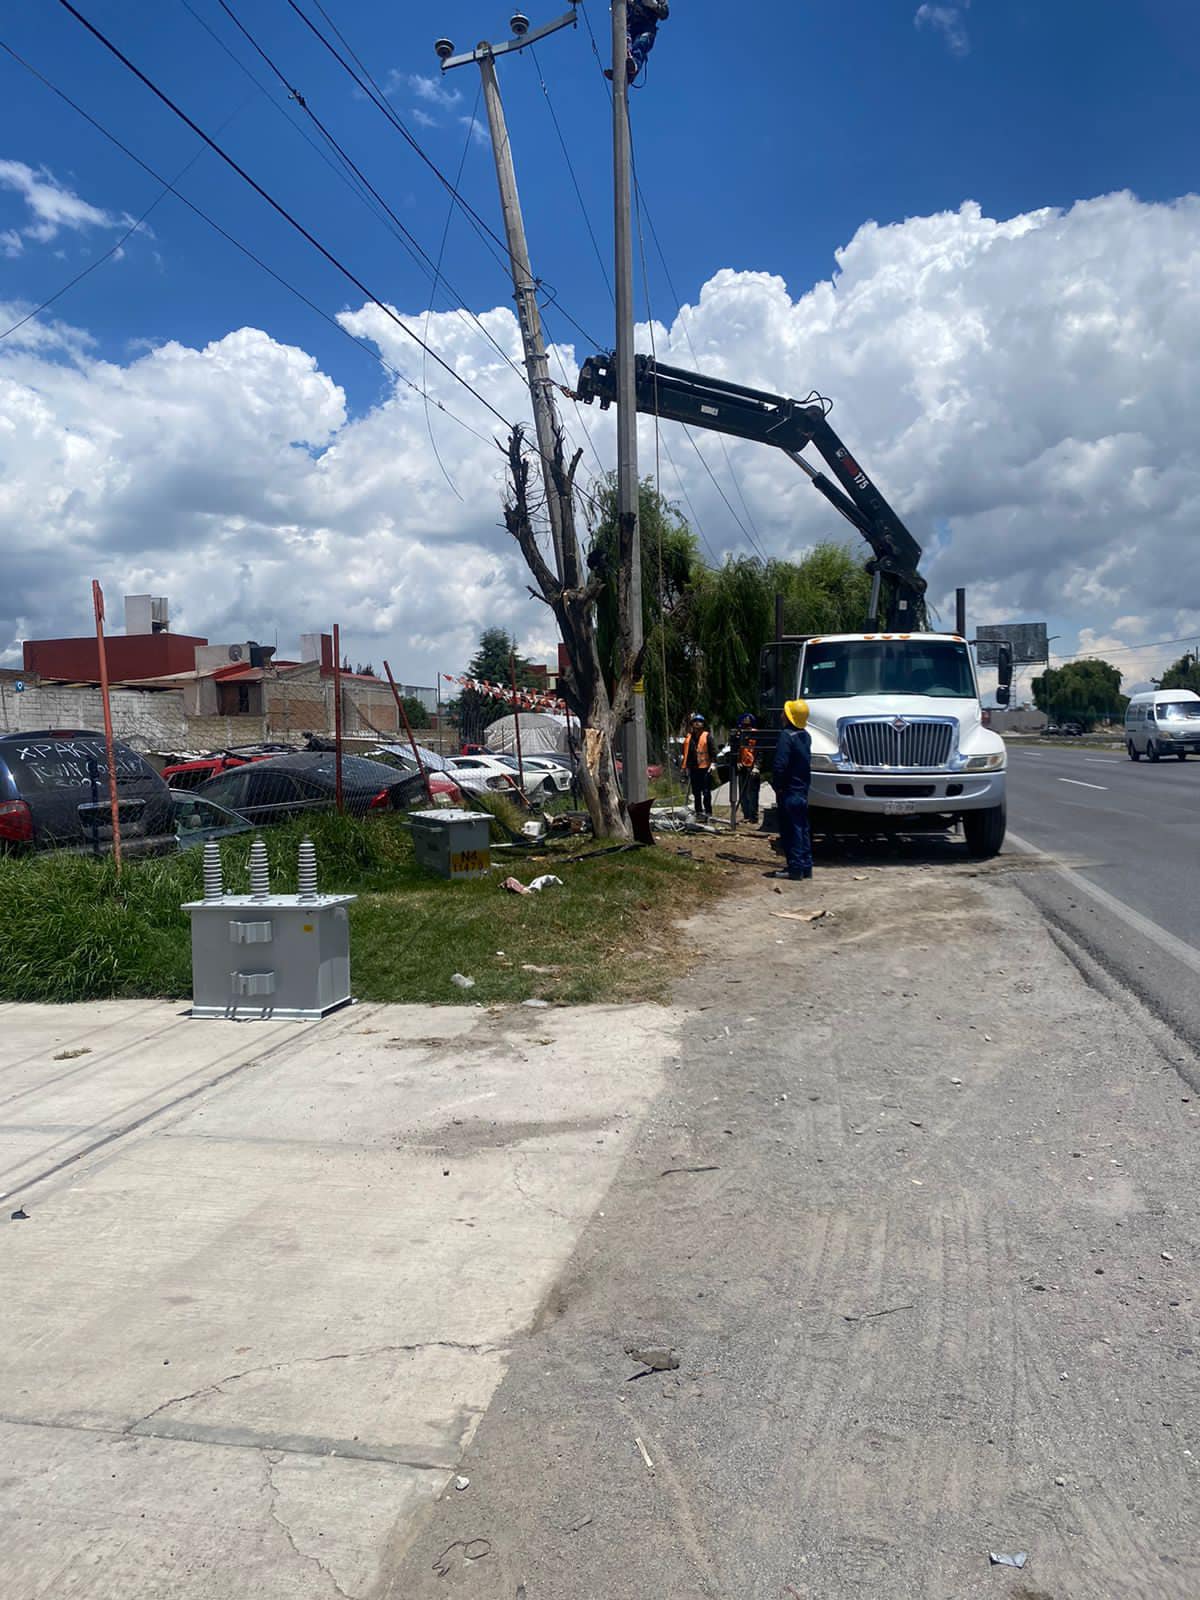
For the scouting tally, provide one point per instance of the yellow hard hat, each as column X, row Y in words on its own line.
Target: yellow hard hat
column 796, row 712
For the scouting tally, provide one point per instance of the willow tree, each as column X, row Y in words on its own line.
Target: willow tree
column 602, row 703
column 731, row 616
column 670, row 564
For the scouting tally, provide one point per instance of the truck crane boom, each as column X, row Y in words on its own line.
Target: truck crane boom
column 789, row 425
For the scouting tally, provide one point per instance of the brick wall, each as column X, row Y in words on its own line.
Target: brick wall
column 161, row 720
column 144, row 719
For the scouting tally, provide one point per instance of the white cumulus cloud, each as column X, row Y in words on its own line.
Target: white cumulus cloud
column 950, row 21
column 51, row 207
column 1020, row 388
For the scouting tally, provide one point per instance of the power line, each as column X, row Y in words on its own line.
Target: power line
column 420, row 255
column 167, row 188
column 641, row 201
column 338, row 171
column 753, row 537
column 1123, row 649
column 571, row 169
column 429, row 312
column 236, row 243
column 370, row 88
column 282, row 210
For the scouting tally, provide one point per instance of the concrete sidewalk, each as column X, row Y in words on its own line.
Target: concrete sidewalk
column 270, row 1273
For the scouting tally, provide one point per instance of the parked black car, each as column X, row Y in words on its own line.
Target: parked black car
column 54, row 794
column 285, row 786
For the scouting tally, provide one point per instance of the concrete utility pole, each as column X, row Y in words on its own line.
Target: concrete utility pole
column 636, row 783
column 537, row 367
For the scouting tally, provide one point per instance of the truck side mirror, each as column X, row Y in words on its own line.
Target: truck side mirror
column 1004, row 663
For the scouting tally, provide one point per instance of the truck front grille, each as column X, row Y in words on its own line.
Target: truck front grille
column 899, row 742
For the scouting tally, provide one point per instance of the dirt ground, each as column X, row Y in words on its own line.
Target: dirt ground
column 916, row 1216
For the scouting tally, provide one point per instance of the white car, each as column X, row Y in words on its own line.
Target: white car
column 552, row 767
column 539, row 780
column 478, row 773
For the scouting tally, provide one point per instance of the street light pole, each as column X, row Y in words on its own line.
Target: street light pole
column 537, row 366
column 636, row 783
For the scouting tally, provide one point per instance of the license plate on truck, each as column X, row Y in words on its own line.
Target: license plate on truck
column 899, row 808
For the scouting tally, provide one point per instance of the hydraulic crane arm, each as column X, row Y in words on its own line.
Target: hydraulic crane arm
column 789, row 425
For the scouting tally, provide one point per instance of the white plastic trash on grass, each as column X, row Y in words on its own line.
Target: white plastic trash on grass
column 515, row 886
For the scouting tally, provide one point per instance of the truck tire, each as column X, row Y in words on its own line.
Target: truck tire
column 984, row 831
column 1152, row 750
column 1134, row 755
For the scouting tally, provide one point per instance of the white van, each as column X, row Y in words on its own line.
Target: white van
column 1163, row 722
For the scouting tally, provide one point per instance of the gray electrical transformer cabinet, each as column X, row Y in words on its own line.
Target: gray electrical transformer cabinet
column 452, row 843
column 280, row 956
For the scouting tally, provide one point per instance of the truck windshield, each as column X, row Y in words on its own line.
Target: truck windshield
column 934, row 667
column 1178, row 708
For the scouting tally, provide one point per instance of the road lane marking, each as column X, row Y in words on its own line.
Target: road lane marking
column 1134, row 920
column 1079, row 784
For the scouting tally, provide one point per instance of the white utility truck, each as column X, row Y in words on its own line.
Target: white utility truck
column 898, row 739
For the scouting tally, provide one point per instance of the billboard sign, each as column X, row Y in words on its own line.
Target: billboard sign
column 1028, row 639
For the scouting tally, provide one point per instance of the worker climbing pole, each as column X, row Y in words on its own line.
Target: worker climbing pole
column 640, row 34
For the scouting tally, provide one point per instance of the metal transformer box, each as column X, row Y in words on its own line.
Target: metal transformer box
column 280, row 956
column 454, row 844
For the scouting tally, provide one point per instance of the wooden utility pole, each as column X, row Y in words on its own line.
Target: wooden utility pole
column 537, row 367
column 636, row 782
column 402, row 715
column 339, row 794
column 110, row 753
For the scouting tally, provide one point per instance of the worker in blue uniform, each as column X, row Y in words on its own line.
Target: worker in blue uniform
column 791, row 777
column 643, row 20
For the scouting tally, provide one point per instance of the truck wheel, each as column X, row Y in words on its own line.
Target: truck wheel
column 1134, row 755
column 984, row 831
column 1181, row 755
column 1152, row 751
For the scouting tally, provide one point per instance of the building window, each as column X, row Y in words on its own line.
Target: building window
column 239, row 699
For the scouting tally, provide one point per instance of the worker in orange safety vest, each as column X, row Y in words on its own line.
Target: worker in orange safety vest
column 748, row 777
column 699, row 753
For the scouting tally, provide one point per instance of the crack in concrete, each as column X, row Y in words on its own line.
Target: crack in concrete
column 272, row 1489
column 543, row 1205
column 300, row 1361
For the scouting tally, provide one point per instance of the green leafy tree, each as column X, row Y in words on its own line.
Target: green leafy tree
column 733, row 617
column 491, row 663
column 418, row 714
column 1182, row 674
column 670, row 565
column 1081, row 691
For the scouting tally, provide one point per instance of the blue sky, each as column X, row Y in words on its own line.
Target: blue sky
column 761, row 146
column 766, row 137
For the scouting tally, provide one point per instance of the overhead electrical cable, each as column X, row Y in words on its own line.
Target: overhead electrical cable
column 98, row 261
column 371, row 90
column 282, row 211
column 749, row 532
column 335, row 167
column 429, row 310
column 420, row 255
column 587, row 220
column 237, row 243
column 607, row 90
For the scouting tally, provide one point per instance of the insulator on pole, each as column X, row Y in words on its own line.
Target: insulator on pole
column 308, row 870
column 260, row 872
column 214, row 884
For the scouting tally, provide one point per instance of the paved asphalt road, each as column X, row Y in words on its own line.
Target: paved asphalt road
column 1128, row 835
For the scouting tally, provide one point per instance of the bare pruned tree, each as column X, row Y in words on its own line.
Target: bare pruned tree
column 573, row 602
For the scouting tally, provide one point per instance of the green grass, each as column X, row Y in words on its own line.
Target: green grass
column 75, row 931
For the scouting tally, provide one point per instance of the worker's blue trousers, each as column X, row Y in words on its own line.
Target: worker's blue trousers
column 640, row 48
column 794, row 831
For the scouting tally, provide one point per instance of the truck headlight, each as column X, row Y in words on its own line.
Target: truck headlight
column 823, row 764
column 992, row 763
